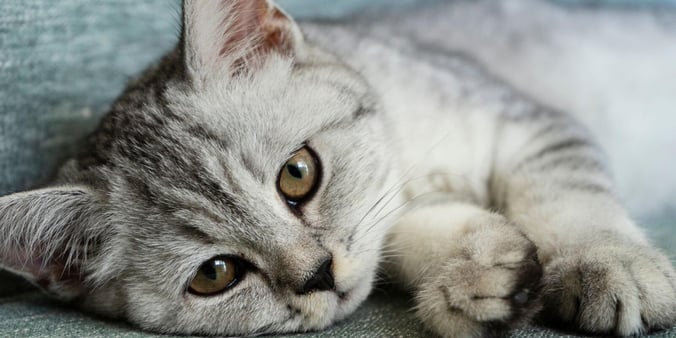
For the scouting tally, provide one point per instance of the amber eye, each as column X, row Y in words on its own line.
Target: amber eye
column 215, row 276
column 299, row 176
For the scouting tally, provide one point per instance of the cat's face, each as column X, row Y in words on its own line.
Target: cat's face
column 277, row 172
column 245, row 195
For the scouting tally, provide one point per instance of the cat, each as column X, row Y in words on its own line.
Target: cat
column 258, row 177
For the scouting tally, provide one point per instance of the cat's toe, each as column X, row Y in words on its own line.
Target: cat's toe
column 623, row 290
column 486, row 293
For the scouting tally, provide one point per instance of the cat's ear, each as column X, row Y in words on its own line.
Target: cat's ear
column 46, row 235
column 234, row 35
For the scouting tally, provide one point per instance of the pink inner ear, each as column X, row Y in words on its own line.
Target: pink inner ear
column 261, row 23
column 19, row 262
column 36, row 270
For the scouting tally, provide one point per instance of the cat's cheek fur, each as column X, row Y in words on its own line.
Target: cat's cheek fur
column 271, row 312
column 107, row 300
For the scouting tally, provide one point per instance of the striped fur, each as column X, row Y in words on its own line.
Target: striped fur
column 488, row 206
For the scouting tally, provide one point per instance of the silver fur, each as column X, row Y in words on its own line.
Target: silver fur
column 417, row 144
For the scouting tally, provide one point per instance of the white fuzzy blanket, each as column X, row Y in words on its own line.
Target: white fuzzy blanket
column 615, row 68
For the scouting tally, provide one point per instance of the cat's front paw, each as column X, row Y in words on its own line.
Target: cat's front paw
column 616, row 288
column 490, row 287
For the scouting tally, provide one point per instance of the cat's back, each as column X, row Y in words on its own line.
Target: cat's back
column 413, row 57
column 404, row 66
column 441, row 106
column 604, row 66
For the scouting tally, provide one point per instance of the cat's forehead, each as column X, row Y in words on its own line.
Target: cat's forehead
column 277, row 108
column 211, row 156
column 229, row 136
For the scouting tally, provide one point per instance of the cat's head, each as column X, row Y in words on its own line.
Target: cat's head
column 238, row 187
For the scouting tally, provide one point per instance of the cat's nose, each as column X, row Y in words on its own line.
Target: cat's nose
column 321, row 279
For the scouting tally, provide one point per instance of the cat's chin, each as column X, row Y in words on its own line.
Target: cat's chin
column 350, row 300
column 322, row 309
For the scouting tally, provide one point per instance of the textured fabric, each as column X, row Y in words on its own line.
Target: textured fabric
column 386, row 314
column 62, row 62
column 33, row 315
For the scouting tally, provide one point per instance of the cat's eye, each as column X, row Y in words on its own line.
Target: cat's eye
column 299, row 177
column 216, row 275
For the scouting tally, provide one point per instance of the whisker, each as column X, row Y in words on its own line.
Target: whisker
column 400, row 186
column 405, row 183
column 397, row 209
column 403, row 175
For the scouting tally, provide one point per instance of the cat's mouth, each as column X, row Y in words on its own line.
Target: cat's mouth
column 321, row 309
column 345, row 296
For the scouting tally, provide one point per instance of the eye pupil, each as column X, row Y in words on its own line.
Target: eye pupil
column 299, row 176
column 209, row 271
column 294, row 171
column 216, row 275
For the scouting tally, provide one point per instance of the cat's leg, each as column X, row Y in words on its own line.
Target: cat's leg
column 473, row 273
column 601, row 274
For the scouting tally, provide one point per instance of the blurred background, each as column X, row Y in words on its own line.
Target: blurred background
column 612, row 63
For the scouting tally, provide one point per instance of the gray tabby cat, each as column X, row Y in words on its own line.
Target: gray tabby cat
column 252, row 181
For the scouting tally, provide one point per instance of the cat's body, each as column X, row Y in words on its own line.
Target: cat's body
column 459, row 129
column 486, row 204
